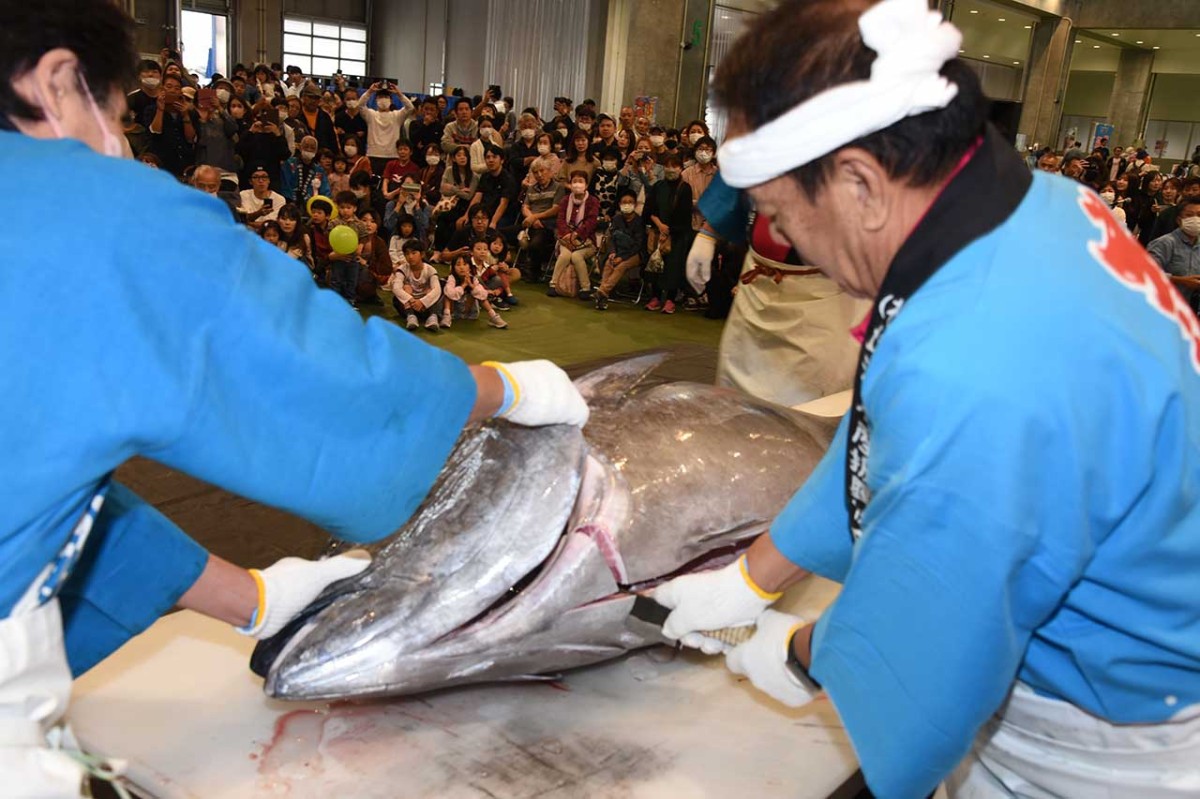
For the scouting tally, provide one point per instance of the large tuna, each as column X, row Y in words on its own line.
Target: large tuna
column 526, row 555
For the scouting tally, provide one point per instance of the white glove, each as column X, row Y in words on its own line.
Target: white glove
column 538, row 393
column 288, row 586
column 763, row 659
column 711, row 600
column 699, row 261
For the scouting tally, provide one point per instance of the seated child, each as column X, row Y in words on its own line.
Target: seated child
column 318, row 228
column 272, row 233
column 501, row 274
column 339, row 178
column 487, row 275
column 464, row 294
column 405, row 232
column 415, row 289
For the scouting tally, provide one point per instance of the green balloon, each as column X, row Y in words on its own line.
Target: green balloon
column 343, row 240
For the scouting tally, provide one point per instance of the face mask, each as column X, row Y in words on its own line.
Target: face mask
column 528, row 133
column 152, row 83
column 351, row 150
column 627, row 209
column 562, row 132
column 1108, row 197
column 308, row 155
column 704, row 156
column 543, row 148
column 485, row 133
column 111, row 144
column 352, row 104
column 360, row 193
column 268, row 91
column 433, row 160
column 1191, row 226
column 609, row 166
column 579, row 188
column 671, row 174
column 695, row 137
column 384, row 103
column 585, row 126
column 657, row 141
column 223, row 95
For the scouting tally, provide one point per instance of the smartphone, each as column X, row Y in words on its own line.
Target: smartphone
column 206, row 98
column 269, row 202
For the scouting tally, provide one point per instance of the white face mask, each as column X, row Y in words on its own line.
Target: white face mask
column 695, row 137
column 543, row 148
column 585, row 126
column 308, row 155
column 704, row 156
column 384, row 103
column 485, row 134
column 433, row 160
column 578, row 188
column 627, row 208
column 352, row 104
column 268, row 91
column 562, row 132
column 609, row 166
column 351, row 150
column 657, row 141
column 110, row 142
column 1108, row 197
column 223, row 95
column 1191, row 227
column 152, row 83
column 528, row 133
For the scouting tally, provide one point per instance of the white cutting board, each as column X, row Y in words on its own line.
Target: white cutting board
column 179, row 703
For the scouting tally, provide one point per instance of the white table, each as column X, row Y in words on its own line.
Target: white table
column 180, row 704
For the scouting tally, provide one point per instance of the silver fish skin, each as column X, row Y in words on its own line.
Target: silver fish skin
column 672, row 477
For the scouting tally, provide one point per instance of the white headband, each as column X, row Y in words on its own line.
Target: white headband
column 911, row 44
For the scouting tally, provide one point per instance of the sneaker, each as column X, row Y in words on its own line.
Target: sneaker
column 501, row 305
column 496, row 322
column 691, row 304
column 446, row 320
column 654, row 304
column 431, row 324
column 411, row 322
column 552, row 292
column 511, row 300
column 585, row 295
column 668, row 307
column 601, row 302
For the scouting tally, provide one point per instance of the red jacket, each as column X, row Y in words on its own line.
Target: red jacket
column 585, row 229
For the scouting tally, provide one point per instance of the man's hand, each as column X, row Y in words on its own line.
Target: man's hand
column 538, row 393
column 711, row 600
column 763, row 659
column 287, row 587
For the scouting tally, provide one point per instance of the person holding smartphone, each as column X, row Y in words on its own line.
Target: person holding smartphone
column 258, row 204
column 384, row 122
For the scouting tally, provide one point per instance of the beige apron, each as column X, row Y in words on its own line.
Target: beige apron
column 789, row 341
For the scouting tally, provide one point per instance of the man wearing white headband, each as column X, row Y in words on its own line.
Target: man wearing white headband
column 1013, row 503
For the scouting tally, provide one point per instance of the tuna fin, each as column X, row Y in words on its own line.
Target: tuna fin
column 611, row 384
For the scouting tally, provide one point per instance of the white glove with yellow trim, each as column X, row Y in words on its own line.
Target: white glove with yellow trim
column 763, row 659
column 539, row 393
column 711, row 600
column 288, row 586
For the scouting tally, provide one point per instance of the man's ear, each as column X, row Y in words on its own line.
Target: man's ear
column 866, row 187
column 50, row 82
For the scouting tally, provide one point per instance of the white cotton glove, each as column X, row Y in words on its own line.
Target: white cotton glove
column 288, row 586
column 699, row 261
column 538, row 393
column 763, row 659
column 711, row 600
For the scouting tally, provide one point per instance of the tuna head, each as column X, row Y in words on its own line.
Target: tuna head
column 496, row 512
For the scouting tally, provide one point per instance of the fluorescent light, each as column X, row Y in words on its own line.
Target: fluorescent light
column 973, row 11
column 1156, row 47
column 1001, row 19
column 1139, row 41
column 1015, row 63
column 1114, row 34
column 1028, row 27
column 1095, row 47
column 1079, row 41
column 962, row 51
column 987, row 56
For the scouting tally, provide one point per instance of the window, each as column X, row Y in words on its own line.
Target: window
column 322, row 48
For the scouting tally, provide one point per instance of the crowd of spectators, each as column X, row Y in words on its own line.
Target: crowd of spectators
column 576, row 198
column 572, row 199
column 1162, row 210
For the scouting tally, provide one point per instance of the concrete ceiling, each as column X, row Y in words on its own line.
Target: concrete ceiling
column 1175, row 51
column 992, row 32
